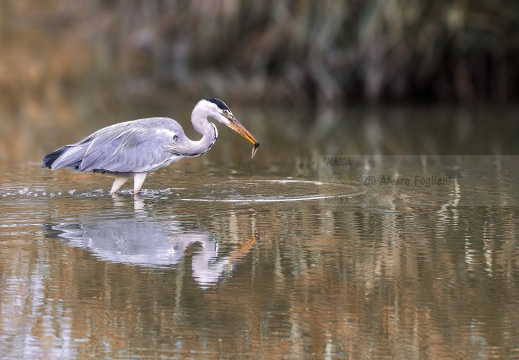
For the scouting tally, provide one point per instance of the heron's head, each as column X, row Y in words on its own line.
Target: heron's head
column 223, row 114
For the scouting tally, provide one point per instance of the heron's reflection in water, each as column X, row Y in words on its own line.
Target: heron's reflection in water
column 147, row 242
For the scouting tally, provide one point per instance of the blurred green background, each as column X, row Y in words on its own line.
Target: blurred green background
column 302, row 52
column 65, row 62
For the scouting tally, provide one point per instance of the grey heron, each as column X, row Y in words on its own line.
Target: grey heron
column 134, row 148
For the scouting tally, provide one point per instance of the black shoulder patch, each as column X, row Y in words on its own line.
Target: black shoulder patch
column 219, row 103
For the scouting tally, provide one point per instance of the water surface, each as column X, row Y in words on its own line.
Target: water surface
column 226, row 257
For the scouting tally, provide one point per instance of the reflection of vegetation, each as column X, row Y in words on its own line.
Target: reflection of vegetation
column 299, row 51
column 351, row 282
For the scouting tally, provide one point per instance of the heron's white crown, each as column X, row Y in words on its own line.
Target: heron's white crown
column 216, row 109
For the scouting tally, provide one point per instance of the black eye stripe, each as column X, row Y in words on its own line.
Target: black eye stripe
column 219, row 103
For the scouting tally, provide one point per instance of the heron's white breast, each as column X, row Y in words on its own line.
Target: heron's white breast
column 171, row 159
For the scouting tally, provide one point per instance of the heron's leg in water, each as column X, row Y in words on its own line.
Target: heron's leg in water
column 138, row 180
column 119, row 181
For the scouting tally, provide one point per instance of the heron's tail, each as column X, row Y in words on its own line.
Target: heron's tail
column 65, row 156
column 51, row 158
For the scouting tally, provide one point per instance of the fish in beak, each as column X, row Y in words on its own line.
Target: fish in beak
column 234, row 124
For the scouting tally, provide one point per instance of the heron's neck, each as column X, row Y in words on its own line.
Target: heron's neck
column 205, row 128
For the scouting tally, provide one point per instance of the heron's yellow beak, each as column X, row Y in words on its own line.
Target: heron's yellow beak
column 240, row 129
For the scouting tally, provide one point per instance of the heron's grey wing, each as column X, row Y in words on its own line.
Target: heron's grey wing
column 136, row 146
column 69, row 155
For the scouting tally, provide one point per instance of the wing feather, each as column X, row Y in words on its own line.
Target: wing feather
column 134, row 146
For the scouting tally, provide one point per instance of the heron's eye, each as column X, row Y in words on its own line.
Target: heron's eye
column 226, row 113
